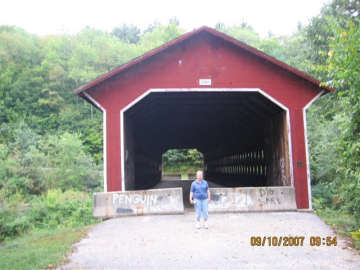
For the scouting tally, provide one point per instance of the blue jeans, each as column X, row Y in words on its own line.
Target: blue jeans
column 201, row 207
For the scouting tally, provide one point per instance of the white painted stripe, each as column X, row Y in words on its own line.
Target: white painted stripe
column 210, row 90
column 122, row 145
column 104, row 137
column 307, row 147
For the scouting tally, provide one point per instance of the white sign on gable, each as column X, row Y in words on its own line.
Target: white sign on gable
column 204, row 81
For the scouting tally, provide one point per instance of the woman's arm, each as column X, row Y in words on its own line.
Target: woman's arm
column 191, row 197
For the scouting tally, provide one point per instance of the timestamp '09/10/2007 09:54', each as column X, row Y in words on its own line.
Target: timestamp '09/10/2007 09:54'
column 292, row 241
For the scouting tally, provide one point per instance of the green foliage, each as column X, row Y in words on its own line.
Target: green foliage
column 344, row 69
column 324, row 195
column 31, row 164
column 182, row 160
column 66, row 165
column 37, row 75
column 50, row 140
column 159, row 35
column 293, row 50
column 320, row 33
column 12, row 218
column 127, row 33
column 62, row 209
column 42, row 180
column 341, row 221
column 17, row 171
column 334, row 122
column 40, row 249
column 324, row 143
column 244, row 33
column 53, row 209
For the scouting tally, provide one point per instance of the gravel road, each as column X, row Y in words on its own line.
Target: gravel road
column 173, row 242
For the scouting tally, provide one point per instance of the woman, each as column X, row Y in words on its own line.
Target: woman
column 200, row 196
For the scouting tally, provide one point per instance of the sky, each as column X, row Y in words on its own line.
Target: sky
column 280, row 17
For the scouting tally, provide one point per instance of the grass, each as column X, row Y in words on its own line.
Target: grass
column 41, row 249
column 341, row 222
column 182, row 168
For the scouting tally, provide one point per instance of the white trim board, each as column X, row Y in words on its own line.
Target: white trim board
column 104, row 137
column 209, row 90
column 307, row 147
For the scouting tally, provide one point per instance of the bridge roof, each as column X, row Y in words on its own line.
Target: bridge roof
column 242, row 45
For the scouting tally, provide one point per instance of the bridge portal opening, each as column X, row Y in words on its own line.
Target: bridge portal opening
column 243, row 136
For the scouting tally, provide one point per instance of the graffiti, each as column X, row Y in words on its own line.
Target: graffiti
column 141, row 202
column 252, row 198
column 219, row 198
column 171, row 201
column 121, row 210
column 230, row 200
column 265, row 192
column 267, row 196
column 133, row 199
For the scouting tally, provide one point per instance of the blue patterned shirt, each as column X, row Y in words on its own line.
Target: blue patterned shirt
column 200, row 189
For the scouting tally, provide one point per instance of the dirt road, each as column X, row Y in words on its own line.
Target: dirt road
column 172, row 242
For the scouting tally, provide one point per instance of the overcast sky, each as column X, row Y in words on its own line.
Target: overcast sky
column 57, row 16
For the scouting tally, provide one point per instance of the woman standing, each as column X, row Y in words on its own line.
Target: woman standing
column 200, row 196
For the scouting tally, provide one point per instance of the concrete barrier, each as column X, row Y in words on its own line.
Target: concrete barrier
column 252, row 199
column 138, row 202
column 170, row 201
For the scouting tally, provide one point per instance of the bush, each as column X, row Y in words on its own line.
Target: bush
column 30, row 164
column 13, row 219
column 66, row 164
column 323, row 195
column 55, row 209
column 64, row 209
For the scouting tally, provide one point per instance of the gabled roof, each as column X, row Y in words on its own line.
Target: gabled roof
column 188, row 35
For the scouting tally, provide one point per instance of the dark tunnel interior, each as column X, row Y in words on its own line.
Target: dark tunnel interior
column 242, row 135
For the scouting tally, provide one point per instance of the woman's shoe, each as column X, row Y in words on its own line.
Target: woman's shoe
column 206, row 225
column 197, row 224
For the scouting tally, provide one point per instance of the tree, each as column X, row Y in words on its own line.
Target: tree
column 127, row 33
column 220, row 26
column 344, row 69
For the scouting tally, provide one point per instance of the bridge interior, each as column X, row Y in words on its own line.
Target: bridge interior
column 243, row 136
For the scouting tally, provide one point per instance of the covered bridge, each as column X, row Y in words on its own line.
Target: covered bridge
column 243, row 109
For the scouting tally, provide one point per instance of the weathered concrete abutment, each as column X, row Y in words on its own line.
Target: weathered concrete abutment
column 170, row 201
column 138, row 202
column 244, row 199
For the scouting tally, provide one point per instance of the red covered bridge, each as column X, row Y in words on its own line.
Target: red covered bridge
column 243, row 109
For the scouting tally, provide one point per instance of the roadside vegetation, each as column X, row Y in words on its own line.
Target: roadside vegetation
column 184, row 162
column 40, row 249
column 51, row 141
